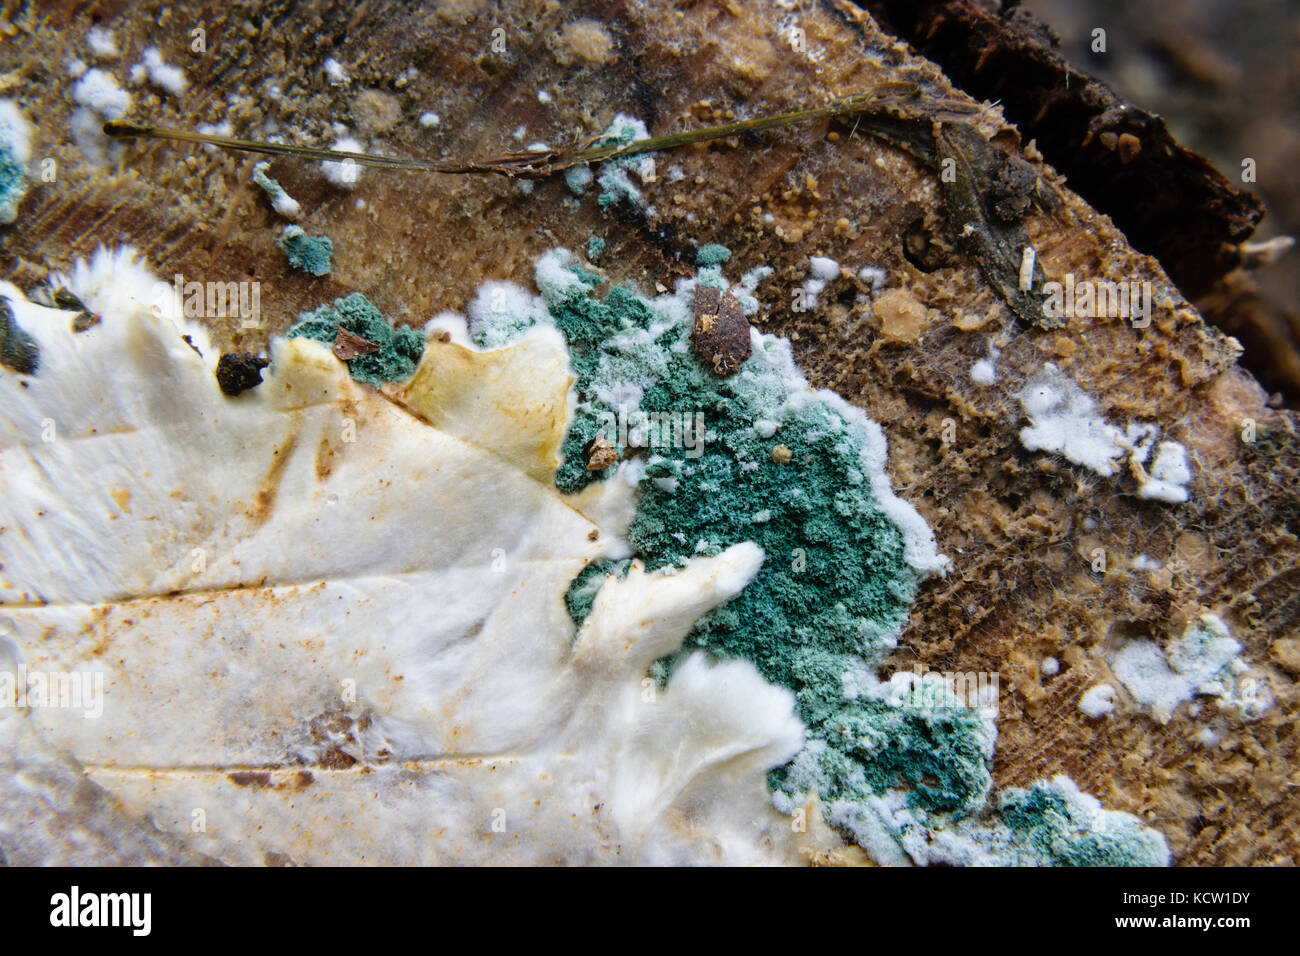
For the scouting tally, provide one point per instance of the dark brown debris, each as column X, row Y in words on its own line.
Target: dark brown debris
column 720, row 332
column 84, row 319
column 1013, row 192
column 239, row 371
column 18, row 350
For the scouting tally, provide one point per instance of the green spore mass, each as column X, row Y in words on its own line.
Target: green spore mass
column 13, row 185
column 1044, row 821
column 308, row 253
column 712, row 255
column 595, row 246
column 835, row 586
column 399, row 348
column 936, row 757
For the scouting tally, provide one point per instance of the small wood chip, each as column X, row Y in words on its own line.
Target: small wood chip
column 348, row 345
column 600, row 453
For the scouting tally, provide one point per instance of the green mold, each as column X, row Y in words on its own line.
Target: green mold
column 13, row 185
column 835, row 585
column 595, row 246
column 399, row 348
column 308, row 253
column 938, row 759
column 712, row 255
column 1054, row 823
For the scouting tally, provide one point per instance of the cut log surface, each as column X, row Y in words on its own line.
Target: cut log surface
column 1049, row 559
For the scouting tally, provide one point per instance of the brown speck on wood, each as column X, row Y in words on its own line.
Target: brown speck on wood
column 335, row 759
column 250, row 778
column 349, row 345
column 720, row 332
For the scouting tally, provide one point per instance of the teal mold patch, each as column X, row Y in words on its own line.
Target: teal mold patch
column 15, row 151
column 399, row 348
column 760, row 457
column 308, row 253
column 712, row 255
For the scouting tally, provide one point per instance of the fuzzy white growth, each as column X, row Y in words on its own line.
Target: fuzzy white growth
column 821, row 271
column 1051, row 666
column 1098, row 701
column 334, row 72
column 615, row 183
column 744, row 289
column 1204, row 661
column 76, row 68
column 873, row 274
column 984, row 371
column 102, row 43
column 1168, row 476
column 98, row 91
column 160, row 73
column 418, row 553
column 117, row 282
column 499, row 311
column 98, row 98
column 543, row 96
column 553, row 276
column 224, row 128
column 347, row 172
column 429, row 119
column 15, row 132
column 1063, row 419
